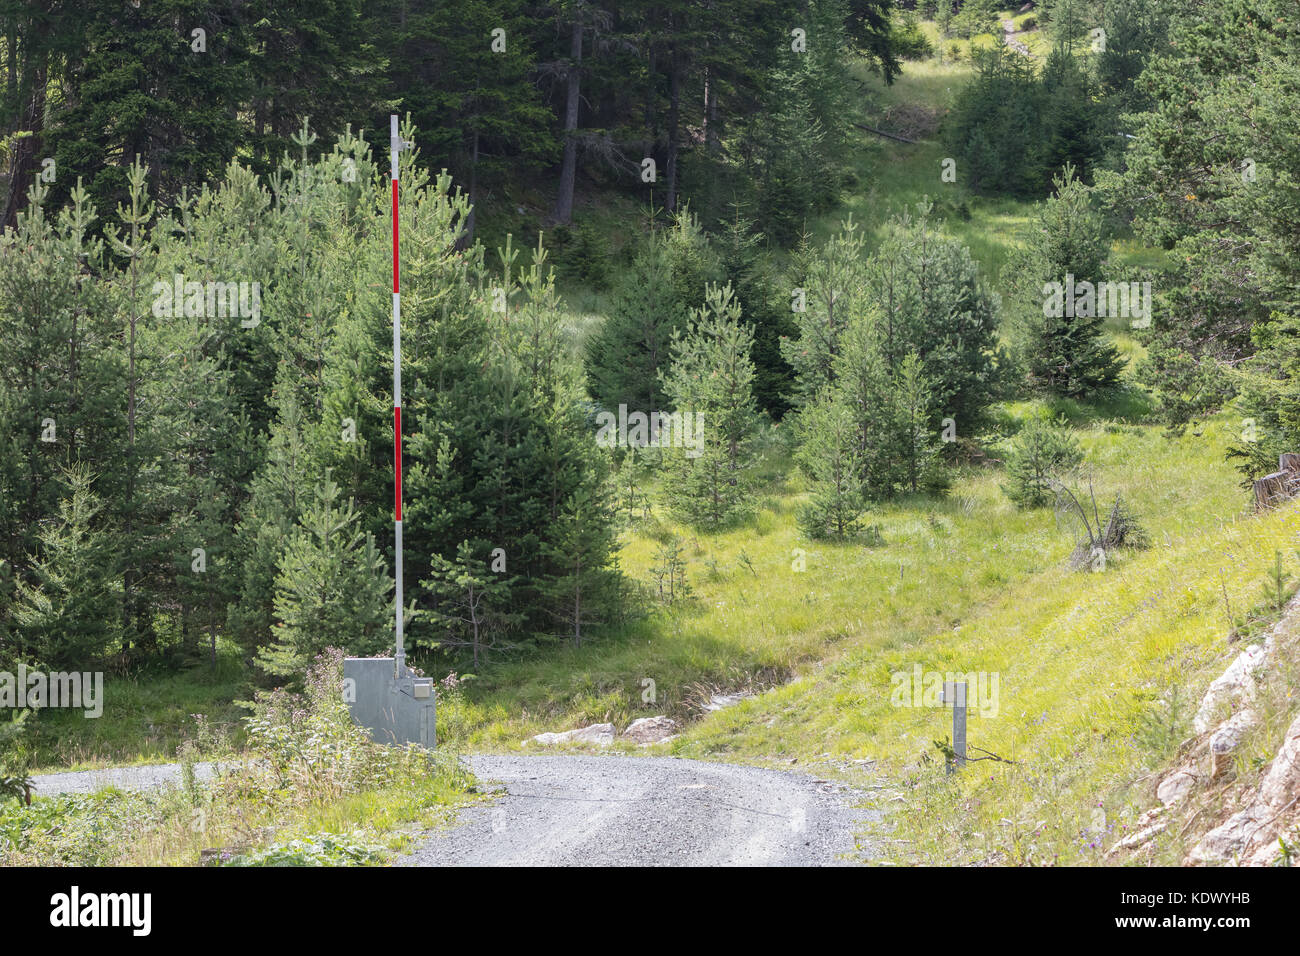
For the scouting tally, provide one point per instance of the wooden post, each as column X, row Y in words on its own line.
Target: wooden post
column 954, row 696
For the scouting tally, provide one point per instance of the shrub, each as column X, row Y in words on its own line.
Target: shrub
column 907, row 38
column 1097, row 537
column 1038, row 456
column 320, row 849
column 313, row 748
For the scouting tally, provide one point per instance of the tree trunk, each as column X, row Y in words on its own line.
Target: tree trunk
column 712, row 135
column 23, row 165
column 563, row 212
column 466, row 237
column 674, row 142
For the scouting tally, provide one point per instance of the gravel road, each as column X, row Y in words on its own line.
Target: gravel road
column 124, row 778
column 577, row 810
column 645, row 811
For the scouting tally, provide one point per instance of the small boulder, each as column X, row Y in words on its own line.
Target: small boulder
column 602, row 735
column 649, row 730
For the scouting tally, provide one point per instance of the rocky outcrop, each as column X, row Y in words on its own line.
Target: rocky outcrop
column 1251, row 835
column 1232, row 688
column 1229, row 712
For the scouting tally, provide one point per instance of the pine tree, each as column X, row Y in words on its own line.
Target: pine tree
column 890, row 412
column 332, row 589
column 829, row 455
column 1208, row 175
column 61, row 395
column 712, row 376
column 136, row 248
column 1064, row 354
column 279, row 494
column 831, row 284
column 931, row 301
column 1039, row 455
column 68, row 614
column 912, row 407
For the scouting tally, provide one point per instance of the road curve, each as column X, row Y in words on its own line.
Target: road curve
column 646, row 811
column 579, row 810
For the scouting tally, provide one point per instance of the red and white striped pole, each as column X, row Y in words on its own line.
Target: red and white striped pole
column 395, row 146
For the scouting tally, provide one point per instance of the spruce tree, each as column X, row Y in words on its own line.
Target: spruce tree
column 581, row 584
column 1068, row 355
column 67, row 614
column 332, row 589
column 468, row 602
column 829, row 455
column 1040, row 454
column 830, row 290
column 764, row 305
column 664, row 284
column 712, row 376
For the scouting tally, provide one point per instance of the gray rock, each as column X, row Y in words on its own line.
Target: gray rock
column 1254, row 831
column 1139, row 839
column 602, row 735
column 649, row 730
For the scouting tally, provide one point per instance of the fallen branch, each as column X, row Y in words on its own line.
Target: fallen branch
column 881, row 132
column 991, row 755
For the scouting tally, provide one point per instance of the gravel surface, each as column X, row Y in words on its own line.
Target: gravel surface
column 124, row 778
column 577, row 810
column 646, row 811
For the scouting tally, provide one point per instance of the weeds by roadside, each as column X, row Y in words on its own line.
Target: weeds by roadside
column 310, row 788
